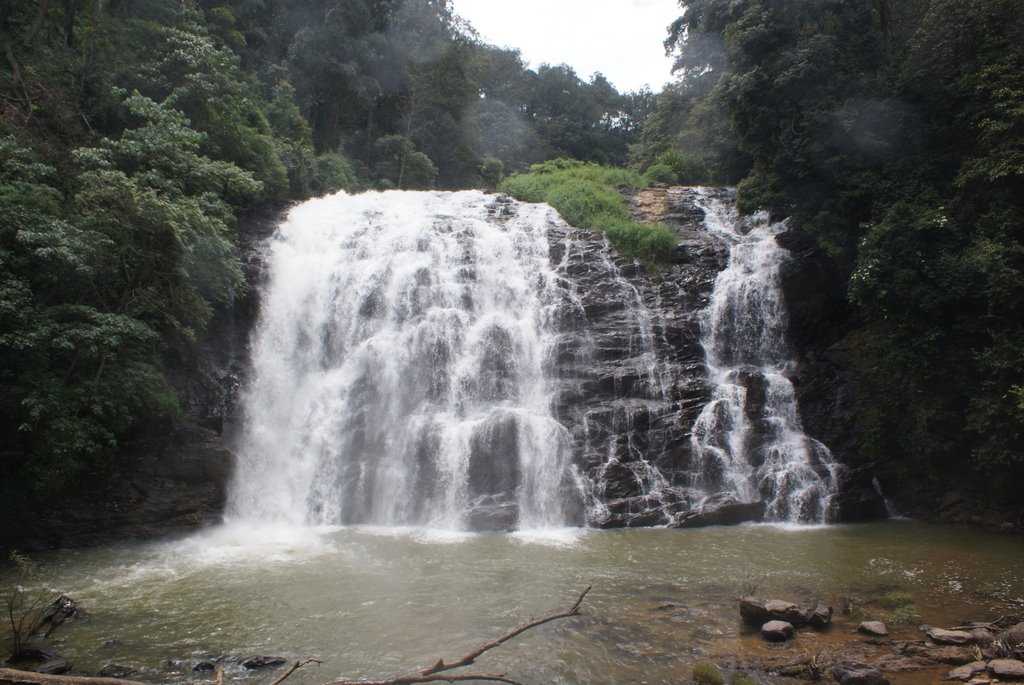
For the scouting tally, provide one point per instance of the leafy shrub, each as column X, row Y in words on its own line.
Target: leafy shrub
column 492, row 171
column 662, row 173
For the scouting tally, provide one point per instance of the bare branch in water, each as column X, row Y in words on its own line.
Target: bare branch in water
column 438, row 673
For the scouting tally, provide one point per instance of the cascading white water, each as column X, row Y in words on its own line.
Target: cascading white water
column 401, row 367
column 748, row 440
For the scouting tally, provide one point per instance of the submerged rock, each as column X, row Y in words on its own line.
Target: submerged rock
column 968, row 671
column 873, row 628
column 255, row 662
column 777, row 631
column 858, row 674
column 117, row 671
column 54, row 666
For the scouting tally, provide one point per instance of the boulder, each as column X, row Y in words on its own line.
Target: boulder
column 1014, row 636
column 967, row 672
column 787, row 611
column 721, row 510
column 255, row 662
column 873, row 628
column 777, row 631
column 493, row 517
column 982, row 636
column 948, row 637
column 753, row 611
column 858, row 674
column 821, row 616
column 1007, row 669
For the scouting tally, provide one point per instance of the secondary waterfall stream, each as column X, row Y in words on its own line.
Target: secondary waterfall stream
column 749, row 440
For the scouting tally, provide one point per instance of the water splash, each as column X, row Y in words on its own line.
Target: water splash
column 749, row 440
column 401, row 366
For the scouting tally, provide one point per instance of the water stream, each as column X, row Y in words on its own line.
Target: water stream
column 749, row 439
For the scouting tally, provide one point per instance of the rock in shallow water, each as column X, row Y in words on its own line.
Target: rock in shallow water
column 255, row 662
column 777, row 631
column 1009, row 669
column 858, row 674
column 873, row 628
column 967, row 672
column 54, row 666
column 948, row 637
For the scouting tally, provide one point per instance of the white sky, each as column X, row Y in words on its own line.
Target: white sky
column 620, row 38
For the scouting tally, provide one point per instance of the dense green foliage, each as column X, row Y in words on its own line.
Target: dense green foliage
column 588, row 196
column 133, row 133
column 892, row 131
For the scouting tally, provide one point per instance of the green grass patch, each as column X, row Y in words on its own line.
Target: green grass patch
column 705, row 673
column 587, row 196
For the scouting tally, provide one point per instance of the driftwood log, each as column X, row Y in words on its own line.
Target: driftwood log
column 10, row 676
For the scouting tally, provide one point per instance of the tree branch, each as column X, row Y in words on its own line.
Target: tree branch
column 438, row 672
column 470, row 658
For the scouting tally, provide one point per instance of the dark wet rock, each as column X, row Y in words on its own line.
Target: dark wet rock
column 493, row 515
column 873, row 628
column 256, row 662
column 982, row 636
column 117, row 671
column 1007, row 669
column 858, row 674
column 787, row 611
column 54, row 666
column 36, row 649
column 967, row 671
column 821, row 616
column 204, row 667
column 721, row 510
column 948, row 637
column 753, row 611
column 777, row 631
column 756, row 612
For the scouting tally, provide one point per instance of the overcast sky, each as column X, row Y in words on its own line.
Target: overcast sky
column 620, row 38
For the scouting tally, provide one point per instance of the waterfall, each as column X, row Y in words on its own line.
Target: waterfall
column 748, row 440
column 467, row 362
column 402, row 366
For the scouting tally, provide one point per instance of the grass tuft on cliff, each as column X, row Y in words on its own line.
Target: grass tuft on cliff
column 587, row 196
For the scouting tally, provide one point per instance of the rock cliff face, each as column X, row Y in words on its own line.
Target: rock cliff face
column 633, row 372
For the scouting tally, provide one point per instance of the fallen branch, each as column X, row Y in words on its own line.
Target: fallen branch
column 296, row 666
column 438, row 673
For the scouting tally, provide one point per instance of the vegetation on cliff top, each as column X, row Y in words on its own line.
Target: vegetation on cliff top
column 588, row 196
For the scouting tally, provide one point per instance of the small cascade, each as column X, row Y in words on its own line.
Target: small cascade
column 748, row 441
column 402, row 368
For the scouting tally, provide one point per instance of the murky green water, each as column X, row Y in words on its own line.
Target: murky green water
column 378, row 602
